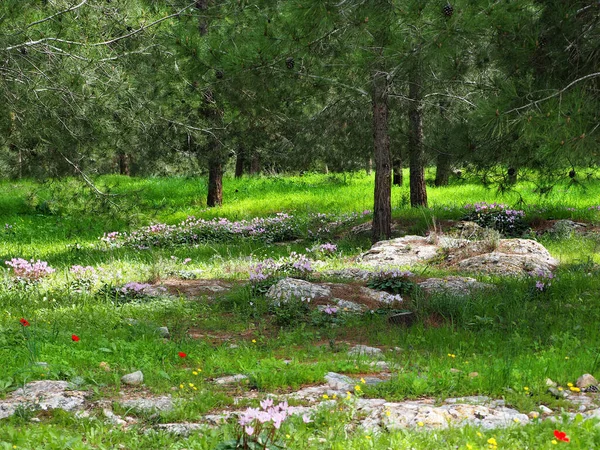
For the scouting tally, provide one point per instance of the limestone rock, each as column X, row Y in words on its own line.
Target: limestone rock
column 289, row 288
column 502, row 257
column 586, row 380
column 512, row 257
column 180, row 429
column 133, row 379
column 453, row 285
column 231, row 379
column 364, row 350
column 404, row 251
column 339, row 382
column 149, row 404
column 42, row 395
column 163, row 332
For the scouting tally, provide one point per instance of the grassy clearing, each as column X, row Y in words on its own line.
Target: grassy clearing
column 513, row 338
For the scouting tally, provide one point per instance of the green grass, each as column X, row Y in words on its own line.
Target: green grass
column 515, row 337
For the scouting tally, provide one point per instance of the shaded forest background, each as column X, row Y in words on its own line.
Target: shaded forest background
column 493, row 87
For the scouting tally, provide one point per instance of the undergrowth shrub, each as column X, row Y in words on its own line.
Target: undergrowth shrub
column 510, row 222
column 393, row 281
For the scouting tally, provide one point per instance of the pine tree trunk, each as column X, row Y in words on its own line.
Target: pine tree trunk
column 124, row 164
column 513, row 175
column 255, row 164
column 397, row 178
column 239, row 162
column 442, row 171
column 416, row 151
column 382, row 209
column 215, row 183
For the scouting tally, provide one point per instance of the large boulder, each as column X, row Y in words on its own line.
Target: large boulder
column 43, row 395
column 404, row 251
column 288, row 288
column 511, row 257
column 453, row 285
column 348, row 297
column 500, row 257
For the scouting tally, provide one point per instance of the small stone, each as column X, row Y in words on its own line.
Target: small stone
column 232, row 379
column 453, row 370
column 163, row 332
column 133, row 379
column 533, row 415
column 180, row 429
column 545, row 410
column 112, row 418
column 582, row 408
column 364, row 350
column 474, row 374
column 104, row 366
column 556, row 393
column 550, row 383
column 151, row 404
column 339, row 382
column 381, row 365
column 233, row 346
column 586, row 380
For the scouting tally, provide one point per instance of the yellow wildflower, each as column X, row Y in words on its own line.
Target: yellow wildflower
column 254, row 341
column 325, row 396
column 357, row 388
column 479, row 434
column 492, row 442
column 554, row 441
column 388, row 413
column 194, row 373
column 516, row 420
column 181, row 386
column 560, row 388
column 191, row 384
column 575, row 389
column 526, row 388
column 362, row 380
column 420, row 424
column 570, row 384
column 451, row 355
column 334, row 396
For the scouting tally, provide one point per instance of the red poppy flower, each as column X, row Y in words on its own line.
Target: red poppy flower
column 75, row 338
column 182, row 354
column 561, row 436
column 24, row 322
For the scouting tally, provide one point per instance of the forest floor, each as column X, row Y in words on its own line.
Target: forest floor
column 472, row 371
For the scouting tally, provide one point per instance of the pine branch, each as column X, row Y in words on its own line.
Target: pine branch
column 60, row 13
column 567, row 87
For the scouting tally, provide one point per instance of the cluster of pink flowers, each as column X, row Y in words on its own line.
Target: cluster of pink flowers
column 268, row 418
column 192, row 230
column 30, row 270
column 544, row 279
column 293, row 265
column 330, row 310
